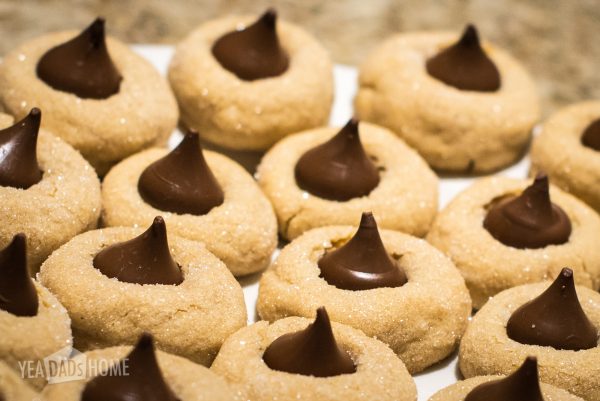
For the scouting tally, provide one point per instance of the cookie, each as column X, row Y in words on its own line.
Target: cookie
column 244, row 83
column 524, row 382
column 421, row 315
column 108, row 102
column 119, row 282
column 329, row 176
column 555, row 322
column 47, row 190
column 560, row 150
column 533, row 230
column 296, row 358
column 33, row 323
column 145, row 374
column 202, row 195
column 12, row 387
column 465, row 106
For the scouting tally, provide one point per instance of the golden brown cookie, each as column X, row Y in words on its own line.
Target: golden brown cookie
column 454, row 130
column 27, row 340
column 246, row 114
column 379, row 373
column 191, row 317
column 142, row 112
column 12, row 387
column 405, row 198
column 186, row 380
column 487, row 348
column 421, row 320
column 64, row 203
column 241, row 231
column 488, row 265
column 559, row 152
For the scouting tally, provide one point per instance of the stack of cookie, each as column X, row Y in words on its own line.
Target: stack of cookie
column 138, row 251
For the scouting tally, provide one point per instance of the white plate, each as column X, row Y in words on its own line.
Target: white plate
column 438, row 376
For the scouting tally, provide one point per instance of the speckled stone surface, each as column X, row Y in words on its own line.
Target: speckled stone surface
column 555, row 39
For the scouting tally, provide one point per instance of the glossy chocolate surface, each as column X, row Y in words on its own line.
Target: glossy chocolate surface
column 465, row 65
column 18, row 152
column 554, row 319
column 591, row 135
column 338, row 169
column 521, row 385
column 362, row 263
column 529, row 220
column 310, row 352
column 181, row 182
column 144, row 380
column 18, row 295
column 82, row 65
column 254, row 52
column 145, row 259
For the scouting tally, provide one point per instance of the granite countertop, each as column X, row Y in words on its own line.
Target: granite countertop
column 557, row 40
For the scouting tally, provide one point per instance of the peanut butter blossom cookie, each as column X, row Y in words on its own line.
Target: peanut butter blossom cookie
column 244, row 83
column 521, row 385
column 120, row 282
column 141, row 373
column 557, row 323
column 47, row 190
column 12, row 386
column 329, row 176
column 202, row 195
column 416, row 84
column 34, row 325
column 568, row 150
column 392, row 286
column 502, row 232
column 97, row 94
column 296, row 358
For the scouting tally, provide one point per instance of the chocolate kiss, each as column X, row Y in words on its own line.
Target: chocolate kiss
column 362, row 263
column 18, row 152
column 17, row 291
column 529, row 220
column 591, row 136
column 338, row 169
column 81, row 66
column 465, row 65
column 554, row 319
column 181, row 182
column 142, row 260
column 310, row 352
column 254, row 52
column 143, row 382
column 522, row 385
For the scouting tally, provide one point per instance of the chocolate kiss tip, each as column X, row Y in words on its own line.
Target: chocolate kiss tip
column 269, row 17
column 554, row 319
column 363, row 262
column 522, row 385
column 145, row 259
column 470, row 36
column 310, row 352
column 18, row 295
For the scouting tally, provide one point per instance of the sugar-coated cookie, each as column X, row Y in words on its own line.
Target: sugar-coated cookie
column 568, row 150
column 47, row 190
column 421, row 315
column 202, row 195
column 96, row 94
column 140, row 373
column 466, row 107
column 503, row 232
column 329, row 176
column 119, row 282
column 555, row 322
column 244, row 83
column 296, row 358
column 12, row 387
